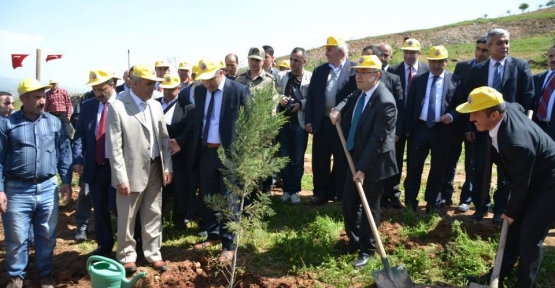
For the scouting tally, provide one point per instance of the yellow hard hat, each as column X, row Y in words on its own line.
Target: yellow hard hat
column 411, row 45
column 145, row 72
column 185, row 66
column 481, row 98
column 437, row 53
column 161, row 63
column 284, row 63
column 100, row 76
column 208, row 68
column 334, row 41
column 170, row 81
column 368, row 62
column 30, row 85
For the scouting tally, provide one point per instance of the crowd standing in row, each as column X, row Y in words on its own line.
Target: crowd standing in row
column 157, row 134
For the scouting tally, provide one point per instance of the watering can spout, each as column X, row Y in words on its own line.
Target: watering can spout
column 130, row 283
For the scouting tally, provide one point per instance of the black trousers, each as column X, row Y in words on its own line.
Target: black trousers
column 482, row 172
column 179, row 191
column 104, row 201
column 393, row 190
column 525, row 237
column 357, row 226
column 212, row 183
column 451, row 170
column 328, row 182
column 422, row 141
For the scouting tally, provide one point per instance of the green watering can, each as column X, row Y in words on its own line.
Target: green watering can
column 107, row 273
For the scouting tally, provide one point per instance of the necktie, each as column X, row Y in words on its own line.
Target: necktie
column 208, row 118
column 154, row 152
column 411, row 75
column 546, row 95
column 497, row 77
column 431, row 117
column 100, row 151
column 354, row 122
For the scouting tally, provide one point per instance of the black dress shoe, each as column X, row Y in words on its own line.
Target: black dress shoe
column 481, row 280
column 497, row 219
column 130, row 267
column 396, row 203
column 318, row 201
column 477, row 216
column 349, row 249
column 432, row 208
column 361, row 261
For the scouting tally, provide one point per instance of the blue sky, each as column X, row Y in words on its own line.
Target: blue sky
column 97, row 34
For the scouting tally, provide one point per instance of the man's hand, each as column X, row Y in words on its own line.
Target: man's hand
column 335, row 116
column 396, row 138
column 308, row 127
column 283, row 101
column 446, row 119
column 168, row 178
column 295, row 107
column 66, row 194
column 174, row 147
column 3, row 203
column 470, row 136
column 511, row 220
column 124, row 189
column 359, row 177
column 78, row 169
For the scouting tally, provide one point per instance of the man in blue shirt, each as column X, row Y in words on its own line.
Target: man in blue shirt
column 34, row 147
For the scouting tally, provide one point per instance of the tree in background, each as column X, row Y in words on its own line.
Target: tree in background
column 509, row 12
column 550, row 3
column 540, row 6
column 249, row 159
column 523, row 7
column 174, row 61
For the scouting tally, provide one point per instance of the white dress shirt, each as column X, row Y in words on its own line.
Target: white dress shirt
column 214, row 129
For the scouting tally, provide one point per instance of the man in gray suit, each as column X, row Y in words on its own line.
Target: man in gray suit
column 138, row 149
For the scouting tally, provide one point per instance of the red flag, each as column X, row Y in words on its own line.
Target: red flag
column 17, row 60
column 53, row 57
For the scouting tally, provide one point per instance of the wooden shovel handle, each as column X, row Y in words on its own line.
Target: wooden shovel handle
column 361, row 193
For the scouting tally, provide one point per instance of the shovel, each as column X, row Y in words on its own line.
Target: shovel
column 398, row 276
column 494, row 281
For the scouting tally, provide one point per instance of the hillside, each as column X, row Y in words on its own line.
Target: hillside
column 531, row 34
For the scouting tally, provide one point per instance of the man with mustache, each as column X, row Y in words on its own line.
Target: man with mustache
column 29, row 188
column 6, row 104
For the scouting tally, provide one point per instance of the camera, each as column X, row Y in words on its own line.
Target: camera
column 289, row 105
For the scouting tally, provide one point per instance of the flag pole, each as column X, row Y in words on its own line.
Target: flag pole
column 38, row 65
column 128, row 59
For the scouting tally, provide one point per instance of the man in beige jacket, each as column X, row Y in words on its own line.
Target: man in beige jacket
column 138, row 149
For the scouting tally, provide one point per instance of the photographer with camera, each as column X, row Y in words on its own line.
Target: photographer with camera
column 293, row 85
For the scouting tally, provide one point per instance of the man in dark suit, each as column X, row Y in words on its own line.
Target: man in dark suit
column 406, row 70
column 177, row 113
column 369, row 121
column 126, row 82
column 90, row 158
column 481, row 53
column 327, row 79
column 544, row 84
column 430, row 120
column 511, row 77
column 393, row 83
column 218, row 101
column 527, row 156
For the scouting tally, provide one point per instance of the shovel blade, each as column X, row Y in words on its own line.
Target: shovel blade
column 398, row 277
column 474, row 285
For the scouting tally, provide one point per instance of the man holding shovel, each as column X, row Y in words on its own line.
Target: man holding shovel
column 527, row 155
column 369, row 121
